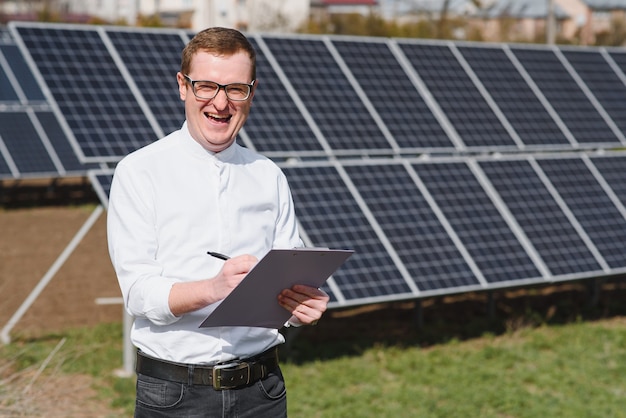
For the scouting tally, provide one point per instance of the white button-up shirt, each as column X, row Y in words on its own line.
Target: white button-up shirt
column 171, row 202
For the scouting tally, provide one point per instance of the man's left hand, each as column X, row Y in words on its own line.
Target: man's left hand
column 306, row 304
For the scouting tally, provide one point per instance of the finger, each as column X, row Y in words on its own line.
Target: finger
column 302, row 293
column 239, row 265
column 306, row 315
column 293, row 299
column 305, row 309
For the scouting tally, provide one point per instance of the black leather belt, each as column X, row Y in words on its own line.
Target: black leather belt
column 229, row 375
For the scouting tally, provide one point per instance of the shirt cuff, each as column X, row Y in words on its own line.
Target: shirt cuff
column 290, row 324
column 157, row 305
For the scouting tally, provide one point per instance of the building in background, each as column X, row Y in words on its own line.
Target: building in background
column 113, row 11
column 518, row 21
column 583, row 22
column 325, row 8
column 249, row 15
column 593, row 20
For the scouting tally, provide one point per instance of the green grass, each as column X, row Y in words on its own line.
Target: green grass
column 577, row 369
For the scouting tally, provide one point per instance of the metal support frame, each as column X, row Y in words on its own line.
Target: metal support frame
column 43, row 282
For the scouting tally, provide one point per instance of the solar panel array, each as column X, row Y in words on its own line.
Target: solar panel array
column 32, row 140
column 447, row 166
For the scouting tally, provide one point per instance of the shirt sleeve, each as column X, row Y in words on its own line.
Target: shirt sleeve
column 287, row 235
column 133, row 245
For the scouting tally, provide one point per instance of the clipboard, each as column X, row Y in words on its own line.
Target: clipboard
column 253, row 303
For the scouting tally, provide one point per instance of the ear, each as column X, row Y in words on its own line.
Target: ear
column 182, row 86
column 256, row 83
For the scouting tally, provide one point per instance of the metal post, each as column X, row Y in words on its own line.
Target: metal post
column 419, row 314
column 550, row 23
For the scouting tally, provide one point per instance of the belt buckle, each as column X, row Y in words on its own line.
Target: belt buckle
column 218, row 378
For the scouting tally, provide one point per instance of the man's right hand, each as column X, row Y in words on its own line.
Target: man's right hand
column 187, row 297
column 232, row 273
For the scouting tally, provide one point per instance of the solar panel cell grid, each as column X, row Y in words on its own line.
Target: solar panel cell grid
column 391, row 92
column 332, row 218
column 22, row 73
column 411, row 226
column 92, row 94
column 603, row 82
column 153, row 59
column 479, row 225
column 619, row 57
column 613, row 170
column 405, row 244
column 105, row 180
column 539, row 215
column 7, row 92
column 514, row 96
column 333, row 103
column 60, row 143
column 457, row 95
column 592, row 207
column 22, row 141
column 565, row 96
column 5, row 171
column 275, row 123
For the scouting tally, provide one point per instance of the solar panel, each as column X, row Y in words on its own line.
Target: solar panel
column 412, row 227
column 457, row 95
column 5, row 160
column 613, row 171
column 514, row 97
column 34, row 142
column 603, row 82
column 343, row 117
column 592, row 207
column 390, row 90
column 101, row 181
column 331, row 217
column 22, row 141
column 565, row 96
column 339, row 112
column 619, row 57
column 7, row 91
column 540, row 217
column 62, row 148
column 24, row 77
column 153, row 59
column 479, row 225
column 87, row 85
column 275, row 125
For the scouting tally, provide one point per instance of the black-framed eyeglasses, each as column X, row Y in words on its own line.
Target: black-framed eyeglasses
column 205, row 89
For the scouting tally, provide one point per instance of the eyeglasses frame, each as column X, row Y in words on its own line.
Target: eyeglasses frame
column 219, row 87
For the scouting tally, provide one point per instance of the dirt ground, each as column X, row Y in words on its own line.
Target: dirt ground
column 31, row 240
column 36, row 227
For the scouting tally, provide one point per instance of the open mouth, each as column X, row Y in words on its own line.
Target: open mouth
column 218, row 118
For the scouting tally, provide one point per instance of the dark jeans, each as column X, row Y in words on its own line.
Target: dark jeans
column 162, row 398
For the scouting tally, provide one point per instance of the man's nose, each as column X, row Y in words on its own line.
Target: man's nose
column 220, row 100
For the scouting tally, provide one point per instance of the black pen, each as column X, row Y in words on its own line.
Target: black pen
column 218, row 255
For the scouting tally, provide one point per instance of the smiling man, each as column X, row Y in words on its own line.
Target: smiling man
column 215, row 122
column 197, row 190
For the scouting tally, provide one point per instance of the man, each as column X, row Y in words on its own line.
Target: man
column 170, row 203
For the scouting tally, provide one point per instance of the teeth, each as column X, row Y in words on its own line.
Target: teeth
column 214, row 116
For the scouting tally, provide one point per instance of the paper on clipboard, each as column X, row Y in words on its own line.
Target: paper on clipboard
column 254, row 302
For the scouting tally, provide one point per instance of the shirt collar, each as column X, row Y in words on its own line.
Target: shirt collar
column 193, row 147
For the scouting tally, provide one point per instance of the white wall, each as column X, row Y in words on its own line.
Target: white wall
column 249, row 15
column 109, row 10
